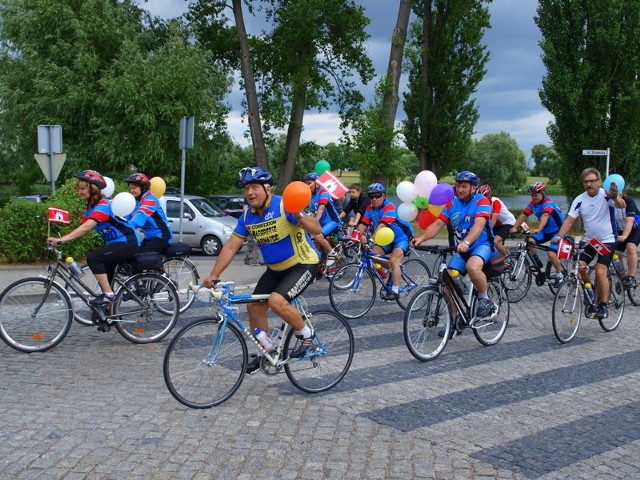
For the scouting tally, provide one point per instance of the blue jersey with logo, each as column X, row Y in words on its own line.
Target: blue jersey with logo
column 388, row 215
column 150, row 217
column 112, row 229
column 461, row 216
column 546, row 205
column 282, row 242
column 323, row 197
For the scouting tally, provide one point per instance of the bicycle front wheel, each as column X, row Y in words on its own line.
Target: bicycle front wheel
column 489, row 331
column 352, row 291
column 35, row 315
column 634, row 292
column 415, row 274
column 329, row 358
column 427, row 324
column 183, row 273
column 615, row 305
column 567, row 310
column 205, row 362
column 517, row 280
column 146, row 309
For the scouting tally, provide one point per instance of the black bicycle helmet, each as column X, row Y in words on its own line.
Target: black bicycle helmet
column 255, row 175
column 536, row 187
column 467, row 176
column 139, row 179
column 92, row 177
column 376, row 188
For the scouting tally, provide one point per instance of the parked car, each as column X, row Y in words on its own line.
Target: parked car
column 229, row 204
column 204, row 225
column 33, row 198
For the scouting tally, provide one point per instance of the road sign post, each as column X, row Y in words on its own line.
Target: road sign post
column 599, row 153
column 50, row 146
column 185, row 141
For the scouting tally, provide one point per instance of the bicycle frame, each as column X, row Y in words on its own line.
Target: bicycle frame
column 224, row 297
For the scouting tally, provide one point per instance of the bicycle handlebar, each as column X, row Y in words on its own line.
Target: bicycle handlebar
column 436, row 249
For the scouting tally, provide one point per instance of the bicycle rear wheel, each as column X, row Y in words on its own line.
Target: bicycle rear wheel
column 567, row 311
column 146, row 308
column 205, row 362
column 352, row 291
column 329, row 358
column 615, row 306
column 33, row 319
column 489, row 331
column 415, row 275
column 427, row 324
column 183, row 273
column 517, row 280
column 634, row 292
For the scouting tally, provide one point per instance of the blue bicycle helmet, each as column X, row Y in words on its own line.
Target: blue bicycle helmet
column 376, row 188
column 255, row 175
column 311, row 176
column 467, row 176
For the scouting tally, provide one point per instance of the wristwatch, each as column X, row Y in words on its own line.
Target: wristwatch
column 467, row 242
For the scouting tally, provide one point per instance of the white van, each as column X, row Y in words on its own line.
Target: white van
column 204, row 225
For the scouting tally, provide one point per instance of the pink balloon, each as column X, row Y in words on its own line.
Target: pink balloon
column 441, row 194
column 425, row 182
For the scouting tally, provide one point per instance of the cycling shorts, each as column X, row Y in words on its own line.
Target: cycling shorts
column 542, row 237
column 590, row 253
column 459, row 262
column 289, row 283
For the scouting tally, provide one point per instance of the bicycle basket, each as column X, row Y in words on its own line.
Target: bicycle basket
column 496, row 265
column 148, row 261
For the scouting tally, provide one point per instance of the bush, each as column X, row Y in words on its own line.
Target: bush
column 24, row 227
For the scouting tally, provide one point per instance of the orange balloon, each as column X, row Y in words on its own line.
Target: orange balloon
column 296, row 197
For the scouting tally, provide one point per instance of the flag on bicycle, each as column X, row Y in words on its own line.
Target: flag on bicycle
column 334, row 186
column 58, row 215
column 599, row 247
column 564, row 250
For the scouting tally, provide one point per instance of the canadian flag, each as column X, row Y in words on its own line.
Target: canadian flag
column 599, row 247
column 58, row 215
column 334, row 186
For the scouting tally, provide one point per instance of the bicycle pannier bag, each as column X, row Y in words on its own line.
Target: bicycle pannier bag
column 178, row 249
column 148, row 261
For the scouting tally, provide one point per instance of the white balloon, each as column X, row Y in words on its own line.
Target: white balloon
column 407, row 211
column 110, row 188
column 406, row 191
column 425, row 181
column 123, row 204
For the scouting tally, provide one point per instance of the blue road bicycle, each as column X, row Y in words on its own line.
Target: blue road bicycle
column 205, row 363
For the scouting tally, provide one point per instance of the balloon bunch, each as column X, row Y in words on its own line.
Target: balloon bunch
column 124, row 203
column 424, row 198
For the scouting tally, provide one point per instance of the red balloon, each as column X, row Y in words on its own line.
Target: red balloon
column 425, row 218
column 296, row 197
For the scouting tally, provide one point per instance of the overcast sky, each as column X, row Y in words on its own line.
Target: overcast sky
column 507, row 98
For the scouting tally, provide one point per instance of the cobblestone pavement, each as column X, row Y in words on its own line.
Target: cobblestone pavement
column 96, row 407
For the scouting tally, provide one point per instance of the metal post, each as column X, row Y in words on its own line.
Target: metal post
column 51, row 159
column 607, row 167
column 182, row 175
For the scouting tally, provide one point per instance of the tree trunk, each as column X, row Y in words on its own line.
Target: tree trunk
column 394, row 69
column 292, row 145
column 426, row 162
column 253, row 114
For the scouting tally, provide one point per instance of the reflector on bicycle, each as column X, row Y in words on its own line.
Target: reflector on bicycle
column 564, row 250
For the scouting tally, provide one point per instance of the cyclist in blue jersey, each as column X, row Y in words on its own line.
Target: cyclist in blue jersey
column 469, row 214
column 382, row 213
column 285, row 242
column 322, row 206
column 550, row 219
column 149, row 215
column 120, row 237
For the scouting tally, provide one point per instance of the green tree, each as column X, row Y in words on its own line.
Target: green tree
column 446, row 62
column 591, row 50
column 498, row 161
column 547, row 162
column 116, row 80
column 310, row 60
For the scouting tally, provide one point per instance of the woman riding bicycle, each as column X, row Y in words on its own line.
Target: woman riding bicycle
column 120, row 237
column 149, row 215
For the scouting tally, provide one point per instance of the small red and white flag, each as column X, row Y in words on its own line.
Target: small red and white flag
column 524, row 226
column 334, row 186
column 58, row 215
column 564, row 250
column 599, row 247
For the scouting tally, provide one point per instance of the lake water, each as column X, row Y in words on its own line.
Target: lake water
column 514, row 202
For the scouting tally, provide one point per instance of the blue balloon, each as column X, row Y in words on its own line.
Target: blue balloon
column 615, row 178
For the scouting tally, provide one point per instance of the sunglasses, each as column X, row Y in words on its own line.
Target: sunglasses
column 375, row 195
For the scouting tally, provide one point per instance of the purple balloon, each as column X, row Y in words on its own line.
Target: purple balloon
column 441, row 194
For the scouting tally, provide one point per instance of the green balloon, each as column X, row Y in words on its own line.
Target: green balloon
column 322, row 166
column 421, row 202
